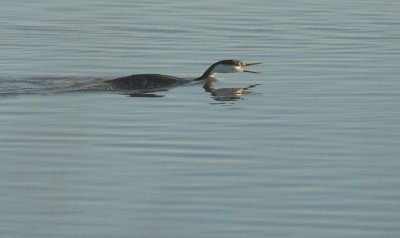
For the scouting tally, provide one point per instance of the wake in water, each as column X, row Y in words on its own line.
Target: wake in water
column 50, row 85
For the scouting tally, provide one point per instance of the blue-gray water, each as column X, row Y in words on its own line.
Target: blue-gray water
column 311, row 150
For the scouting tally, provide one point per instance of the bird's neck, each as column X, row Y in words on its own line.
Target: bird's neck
column 208, row 73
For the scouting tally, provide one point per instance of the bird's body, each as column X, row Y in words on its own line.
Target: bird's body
column 155, row 81
column 146, row 81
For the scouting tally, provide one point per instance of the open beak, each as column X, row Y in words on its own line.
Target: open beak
column 250, row 71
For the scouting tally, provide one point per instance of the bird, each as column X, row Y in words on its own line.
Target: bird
column 155, row 81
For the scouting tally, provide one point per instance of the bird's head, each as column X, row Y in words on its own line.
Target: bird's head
column 227, row 66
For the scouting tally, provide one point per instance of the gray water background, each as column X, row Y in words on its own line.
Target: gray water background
column 311, row 150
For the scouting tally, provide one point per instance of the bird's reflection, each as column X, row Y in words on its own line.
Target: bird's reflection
column 147, row 93
column 226, row 94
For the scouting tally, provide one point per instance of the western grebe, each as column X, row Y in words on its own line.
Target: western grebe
column 152, row 81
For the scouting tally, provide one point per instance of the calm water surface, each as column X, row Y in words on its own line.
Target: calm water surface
column 310, row 150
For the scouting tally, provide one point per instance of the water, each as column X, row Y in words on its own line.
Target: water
column 310, row 150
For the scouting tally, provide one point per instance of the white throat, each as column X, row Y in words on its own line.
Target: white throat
column 225, row 68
